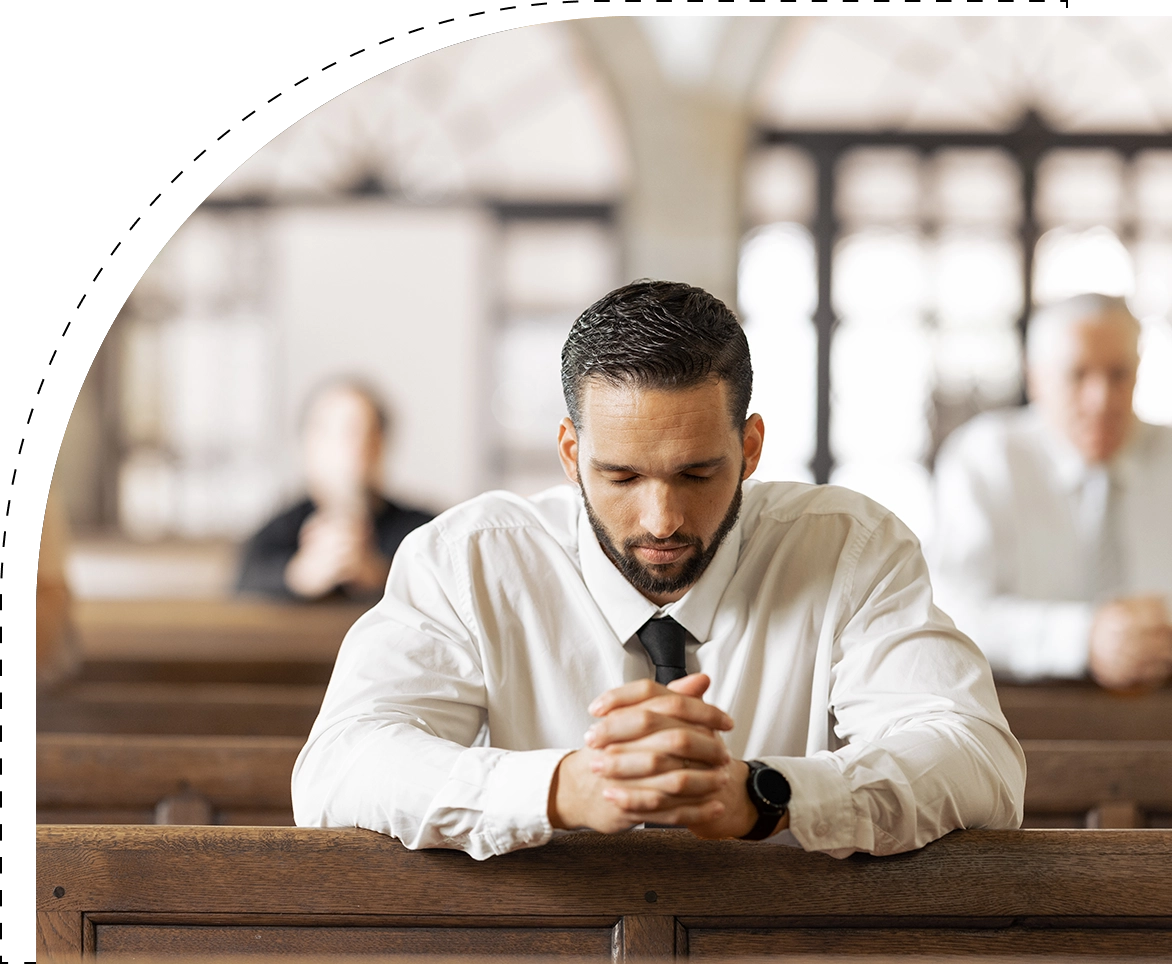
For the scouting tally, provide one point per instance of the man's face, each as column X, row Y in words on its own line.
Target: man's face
column 1085, row 386
column 343, row 449
column 660, row 471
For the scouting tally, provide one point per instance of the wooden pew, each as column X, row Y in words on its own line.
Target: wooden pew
column 658, row 893
column 244, row 709
column 85, row 778
column 245, row 780
column 1083, row 711
column 218, row 630
column 1099, row 784
column 203, row 705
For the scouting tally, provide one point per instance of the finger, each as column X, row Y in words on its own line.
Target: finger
column 636, row 722
column 689, row 709
column 694, row 744
column 649, row 806
column 694, row 685
column 658, row 769
column 644, row 689
column 625, row 695
column 640, row 799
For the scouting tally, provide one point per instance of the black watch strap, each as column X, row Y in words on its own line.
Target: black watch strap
column 769, row 811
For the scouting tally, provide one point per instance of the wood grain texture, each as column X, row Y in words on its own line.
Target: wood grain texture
column 59, row 934
column 723, row 944
column 309, row 871
column 648, row 937
column 1083, row 711
column 131, row 939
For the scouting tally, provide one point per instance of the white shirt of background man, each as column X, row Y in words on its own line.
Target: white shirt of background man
column 454, row 699
column 1028, row 543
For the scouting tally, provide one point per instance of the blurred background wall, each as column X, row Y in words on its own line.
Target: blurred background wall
column 882, row 199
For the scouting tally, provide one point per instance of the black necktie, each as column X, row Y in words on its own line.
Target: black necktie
column 664, row 641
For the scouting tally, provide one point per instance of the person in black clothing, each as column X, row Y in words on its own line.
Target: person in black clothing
column 339, row 540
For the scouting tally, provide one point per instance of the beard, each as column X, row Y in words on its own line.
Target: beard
column 658, row 579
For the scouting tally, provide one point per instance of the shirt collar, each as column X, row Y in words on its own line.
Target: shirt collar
column 626, row 609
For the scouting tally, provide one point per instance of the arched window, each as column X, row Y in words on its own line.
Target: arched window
column 949, row 173
column 434, row 230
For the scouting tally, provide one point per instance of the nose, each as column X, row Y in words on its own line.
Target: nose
column 1096, row 393
column 661, row 513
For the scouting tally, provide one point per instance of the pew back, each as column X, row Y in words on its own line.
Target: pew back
column 1083, row 711
column 86, row 778
column 154, row 890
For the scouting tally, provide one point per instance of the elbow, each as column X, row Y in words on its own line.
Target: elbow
column 1001, row 770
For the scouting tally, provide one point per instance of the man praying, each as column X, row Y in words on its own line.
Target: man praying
column 664, row 641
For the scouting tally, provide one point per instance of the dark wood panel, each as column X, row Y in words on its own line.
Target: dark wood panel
column 282, row 672
column 1074, row 774
column 224, row 630
column 102, row 770
column 308, row 871
column 647, row 937
column 1083, row 711
column 169, row 940
column 180, row 709
column 724, row 943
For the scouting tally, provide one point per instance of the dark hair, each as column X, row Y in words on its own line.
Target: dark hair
column 658, row 334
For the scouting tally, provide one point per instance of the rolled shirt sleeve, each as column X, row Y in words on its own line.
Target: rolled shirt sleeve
column 394, row 747
column 926, row 749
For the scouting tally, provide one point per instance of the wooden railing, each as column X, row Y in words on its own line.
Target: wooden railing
column 83, row 778
column 216, row 890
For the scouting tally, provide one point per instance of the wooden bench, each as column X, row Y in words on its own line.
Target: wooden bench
column 218, row 630
column 200, row 704
column 1099, row 784
column 212, row 709
column 1083, row 711
column 245, row 780
column 100, row 778
column 658, row 893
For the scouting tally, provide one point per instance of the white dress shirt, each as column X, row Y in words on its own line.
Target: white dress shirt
column 454, row 699
column 1029, row 538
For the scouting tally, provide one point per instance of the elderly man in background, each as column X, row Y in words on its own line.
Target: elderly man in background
column 341, row 538
column 1054, row 538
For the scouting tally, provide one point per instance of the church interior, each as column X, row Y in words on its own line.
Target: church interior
column 885, row 203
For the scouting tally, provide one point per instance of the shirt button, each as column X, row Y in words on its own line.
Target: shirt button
column 822, row 829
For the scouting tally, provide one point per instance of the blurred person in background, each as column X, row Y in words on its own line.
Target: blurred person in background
column 57, row 655
column 1054, row 539
column 339, row 540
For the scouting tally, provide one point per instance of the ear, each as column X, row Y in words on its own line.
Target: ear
column 568, row 449
column 753, row 439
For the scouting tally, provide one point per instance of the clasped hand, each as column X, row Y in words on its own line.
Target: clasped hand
column 654, row 756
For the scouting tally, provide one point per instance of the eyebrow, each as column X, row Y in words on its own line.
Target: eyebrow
column 611, row 467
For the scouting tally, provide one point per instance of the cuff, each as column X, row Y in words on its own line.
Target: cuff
column 516, row 801
column 821, row 812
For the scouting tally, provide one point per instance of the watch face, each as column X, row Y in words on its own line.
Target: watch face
column 773, row 787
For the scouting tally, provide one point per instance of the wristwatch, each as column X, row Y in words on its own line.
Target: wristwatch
column 770, row 792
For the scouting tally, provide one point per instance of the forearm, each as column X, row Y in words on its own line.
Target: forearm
column 397, row 779
column 906, row 789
